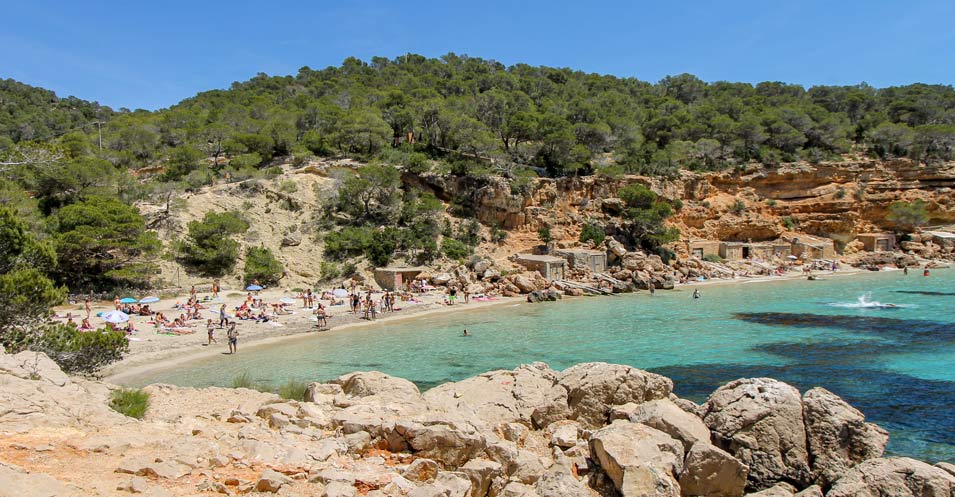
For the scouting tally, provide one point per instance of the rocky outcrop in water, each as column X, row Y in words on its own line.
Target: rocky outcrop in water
column 592, row 430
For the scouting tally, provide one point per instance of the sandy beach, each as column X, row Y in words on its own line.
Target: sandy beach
column 150, row 351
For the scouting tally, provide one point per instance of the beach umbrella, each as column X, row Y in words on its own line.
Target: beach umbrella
column 148, row 300
column 287, row 300
column 340, row 292
column 253, row 288
column 128, row 300
column 115, row 317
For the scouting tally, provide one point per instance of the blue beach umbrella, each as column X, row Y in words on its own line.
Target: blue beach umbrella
column 253, row 288
column 148, row 300
column 128, row 300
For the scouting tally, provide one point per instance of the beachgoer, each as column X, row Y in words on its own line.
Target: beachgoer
column 925, row 273
column 310, row 298
column 233, row 335
column 467, row 296
column 215, row 288
column 652, row 289
column 89, row 308
column 116, row 304
column 697, row 294
column 223, row 318
column 466, row 333
column 905, row 270
column 452, row 293
column 211, row 329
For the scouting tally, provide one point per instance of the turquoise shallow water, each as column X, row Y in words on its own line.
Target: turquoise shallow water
column 896, row 365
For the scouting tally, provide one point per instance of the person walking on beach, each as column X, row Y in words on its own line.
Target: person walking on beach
column 211, row 328
column 223, row 319
column 233, row 335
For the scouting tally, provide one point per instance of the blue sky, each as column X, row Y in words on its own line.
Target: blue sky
column 153, row 54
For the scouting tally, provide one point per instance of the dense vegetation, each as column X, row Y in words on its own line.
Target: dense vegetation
column 70, row 169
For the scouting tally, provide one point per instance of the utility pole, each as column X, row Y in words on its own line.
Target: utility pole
column 99, row 134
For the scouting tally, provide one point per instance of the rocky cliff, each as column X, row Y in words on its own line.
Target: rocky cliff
column 835, row 200
column 594, row 429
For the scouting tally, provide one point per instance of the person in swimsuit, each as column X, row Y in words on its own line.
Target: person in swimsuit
column 233, row 335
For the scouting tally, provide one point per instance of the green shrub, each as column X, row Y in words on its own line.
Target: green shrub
column 713, row 258
column 771, row 202
column 348, row 242
column 544, row 234
column 209, row 247
column 789, row 223
column 592, row 232
column 130, row 402
column 262, row 266
column 454, row 249
column 328, row 271
column 840, row 192
column 288, row 186
column 74, row 351
column 244, row 380
column 293, row 390
column 738, row 207
column 246, row 161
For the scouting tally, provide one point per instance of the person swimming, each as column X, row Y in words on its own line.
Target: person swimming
column 466, row 333
column 697, row 294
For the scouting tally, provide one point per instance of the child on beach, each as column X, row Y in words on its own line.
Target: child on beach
column 211, row 329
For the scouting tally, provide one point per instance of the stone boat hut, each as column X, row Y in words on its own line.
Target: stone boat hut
column 595, row 260
column 877, row 242
column 550, row 267
column 703, row 248
column 396, row 277
column 810, row 247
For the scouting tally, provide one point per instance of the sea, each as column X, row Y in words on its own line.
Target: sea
column 883, row 341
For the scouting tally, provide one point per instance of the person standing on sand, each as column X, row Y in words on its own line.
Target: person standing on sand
column 215, row 289
column 233, row 335
column 211, row 328
column 223, row 319
column 89, row 308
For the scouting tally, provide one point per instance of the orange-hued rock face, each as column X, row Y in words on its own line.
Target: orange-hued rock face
column 834, row 199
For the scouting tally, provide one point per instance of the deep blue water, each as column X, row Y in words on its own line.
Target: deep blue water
column 897, row 365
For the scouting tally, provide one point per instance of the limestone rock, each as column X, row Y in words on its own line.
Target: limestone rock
column 481, row 472
column 641, row 461
column 271, row 481
column 16, row 482
column 293, row 239
column 563, row 433
column 421, row 470
column 497, row 397
column 561, row 484
column 524, row 284
column 587, row 392
column 514, row 432
column 777, row 490
column 895, row 476
column 711, row 472
column 667, row 417
column 339, row 489
column 760, row 422
column 839, row 438
column 810, row 491
column 518, row 489
column 453, row 483
column 949, row 468
column 448, row 443
column 322, row 393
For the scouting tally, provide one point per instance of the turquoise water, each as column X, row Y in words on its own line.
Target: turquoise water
column 897, row 365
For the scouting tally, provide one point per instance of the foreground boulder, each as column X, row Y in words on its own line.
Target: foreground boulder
column 896, row 477
column 667, row 417
column 641, row 461
column 760, row 422
column 497, row 397
column 587, row 393
column 839, row 438
column 711, row 472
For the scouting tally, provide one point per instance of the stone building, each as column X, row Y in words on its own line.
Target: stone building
column 877, row 242
column 550, row 267
column 810, row 247
column 703, row 248
column 595, row 260
column 396, row 277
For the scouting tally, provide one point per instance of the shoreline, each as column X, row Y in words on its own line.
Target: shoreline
column 139, row 364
